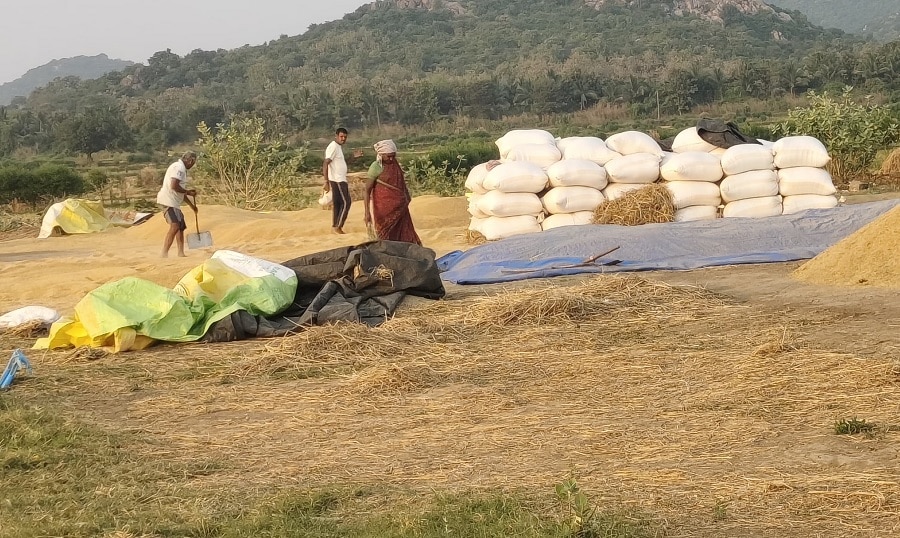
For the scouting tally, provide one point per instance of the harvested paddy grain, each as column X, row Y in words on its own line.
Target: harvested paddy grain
column 868, row 257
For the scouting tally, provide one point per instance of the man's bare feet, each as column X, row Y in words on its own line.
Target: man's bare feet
column 337, row 230
column 182, row 255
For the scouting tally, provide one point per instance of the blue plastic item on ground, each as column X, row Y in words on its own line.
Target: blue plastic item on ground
column 17, row 362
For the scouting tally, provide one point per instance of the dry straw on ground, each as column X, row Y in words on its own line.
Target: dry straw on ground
column 646, row 205
column 666, row 399
column 473, row 237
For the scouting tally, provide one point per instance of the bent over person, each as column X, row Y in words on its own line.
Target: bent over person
column 388, row 196
column 334, row 168
column 170, row 196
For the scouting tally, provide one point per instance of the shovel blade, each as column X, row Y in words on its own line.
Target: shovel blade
column 199, row 240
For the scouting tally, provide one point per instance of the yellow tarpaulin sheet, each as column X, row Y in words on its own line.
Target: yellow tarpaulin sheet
column 74, row 216
column 131, row 313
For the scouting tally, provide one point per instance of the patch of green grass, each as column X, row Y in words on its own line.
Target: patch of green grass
column 61, row 477
column 854, row 426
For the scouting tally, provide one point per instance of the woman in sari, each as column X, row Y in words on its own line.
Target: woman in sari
column 387, row 197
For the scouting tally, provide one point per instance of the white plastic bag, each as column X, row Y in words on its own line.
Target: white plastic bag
column 325, row 199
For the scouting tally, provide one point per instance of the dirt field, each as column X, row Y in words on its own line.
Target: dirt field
column 707, row 399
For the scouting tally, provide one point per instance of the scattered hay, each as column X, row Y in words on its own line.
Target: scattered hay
column 392, row 380
column 667, row 398
column 473, row 237
column 29, row 329
column 86, row 354
column 780, row 342
column 383, row 272
column 646, row 205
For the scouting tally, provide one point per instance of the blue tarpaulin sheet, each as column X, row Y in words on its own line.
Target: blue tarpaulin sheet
column 674, row 245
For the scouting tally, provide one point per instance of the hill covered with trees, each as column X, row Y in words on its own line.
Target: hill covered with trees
column 415, row 62
column 879, row 19
column 84, row 67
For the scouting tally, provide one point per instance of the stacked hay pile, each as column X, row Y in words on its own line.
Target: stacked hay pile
column 869, row 257
column 650, row 204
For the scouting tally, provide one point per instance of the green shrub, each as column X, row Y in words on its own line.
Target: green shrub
column 96, row 179
column 48, row 181
column 853, row 132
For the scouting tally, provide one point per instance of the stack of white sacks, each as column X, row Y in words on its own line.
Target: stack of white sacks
column 541, row 182
column 802, row 179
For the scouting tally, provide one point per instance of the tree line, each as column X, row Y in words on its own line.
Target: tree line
column 413, row 67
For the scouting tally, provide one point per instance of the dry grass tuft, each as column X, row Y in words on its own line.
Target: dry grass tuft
column 780, row 341
column 646, row 205
column 30, row 329
column 473, row 237
column 891, row 164
column 86, row 354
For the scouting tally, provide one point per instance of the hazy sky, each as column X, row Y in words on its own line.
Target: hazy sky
column 34, row 32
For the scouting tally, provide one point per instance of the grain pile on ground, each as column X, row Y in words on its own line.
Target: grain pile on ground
column 869, row 257
column 668, row 400
column 646, row 205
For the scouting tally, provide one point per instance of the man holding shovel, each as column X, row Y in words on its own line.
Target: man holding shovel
column 170, row 196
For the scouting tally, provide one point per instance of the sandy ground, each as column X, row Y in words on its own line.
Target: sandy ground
column 58, row 271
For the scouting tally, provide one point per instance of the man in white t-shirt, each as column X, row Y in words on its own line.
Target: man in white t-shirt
column 334, row 168
column 170, row 196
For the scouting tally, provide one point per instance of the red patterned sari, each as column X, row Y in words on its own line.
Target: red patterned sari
column 390, row 206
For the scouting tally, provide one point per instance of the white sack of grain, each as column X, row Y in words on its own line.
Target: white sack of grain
column 571, row 199
column 768, row 206
column 590, row 148
column 634, row 168
column 617, row 190
column 805, row 180
column 802, row 202
column 689, row 140
column 691, row 193
column 697, row 212
column 629, row 142
column 473, row 207
column 518, row 137
column 752, row 184
column 494, row 228
column 792, row 151
column 509, row 204
column 746, row 157
column 578, row 218
column 475, row 223
column 691, row 166
column 572, row 172
column 475, row 179
column 516, row 176
column 543, row 155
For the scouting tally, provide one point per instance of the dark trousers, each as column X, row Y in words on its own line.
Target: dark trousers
column 340, row 200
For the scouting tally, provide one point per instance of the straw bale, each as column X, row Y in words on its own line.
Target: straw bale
column 891, row 164
column 646, row 205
